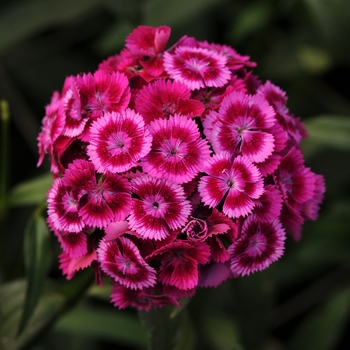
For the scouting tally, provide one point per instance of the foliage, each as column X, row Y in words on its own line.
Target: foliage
column 302, row 302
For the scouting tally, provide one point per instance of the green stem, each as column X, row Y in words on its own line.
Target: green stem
column 4, row 117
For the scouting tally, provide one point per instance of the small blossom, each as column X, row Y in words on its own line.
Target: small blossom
column 240, row 127
column 121, row 260
column 237, row 184
column 261, row 244
column 162, row 98
column 118, row 141
column 159, row 207
column 197, row 67
column 178, row 152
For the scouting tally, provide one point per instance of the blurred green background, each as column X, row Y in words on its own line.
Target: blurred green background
column 301, row 302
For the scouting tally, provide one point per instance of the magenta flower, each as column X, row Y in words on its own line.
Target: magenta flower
column 148, row 41
column 103, row 92
column 295, row 180
column 178, row 152
column 261, row 244
column 277, row 98
column 159, row 206
column 121, row 260
column 240, row 126
column 179, row 263
column 163, row 98
column 197, row 67
column 63, row 207
column 118, row 141
column 52, row 127
column 235, row 183
column 101, row 201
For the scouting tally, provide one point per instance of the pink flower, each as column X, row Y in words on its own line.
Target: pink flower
column 197, row 67
column 240, row 125
column 159, row 206
column 234, row 59
column 52, row 127
column 295, row 180
column 63, row 207
column 235, row 183
column 118, row 141
column 178, row 152
column 277, row 98
column 122, row 260
column 261, row 244
column 147, row 41
column 103, row 92
column 70, row 266
column 164, row 98
column 268, row 206
column 179, row 263
column 101, row 201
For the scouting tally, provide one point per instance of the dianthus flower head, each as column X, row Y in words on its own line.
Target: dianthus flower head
column 174, row 168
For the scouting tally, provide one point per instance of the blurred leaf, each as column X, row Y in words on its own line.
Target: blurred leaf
column 23, row 18
column 167, row 332
column 171, row 13
column 37, row 258
column 251, row 19
column 327, row 131
column 113, row 325
column 4, row 153
column 31, row 192
column 322, row 328
column 11, row 300
column 314, row 60
column 221, row 332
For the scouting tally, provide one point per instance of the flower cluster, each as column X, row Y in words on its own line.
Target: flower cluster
column 174, row 168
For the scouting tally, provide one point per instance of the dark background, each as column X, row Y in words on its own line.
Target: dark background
column 302, row 301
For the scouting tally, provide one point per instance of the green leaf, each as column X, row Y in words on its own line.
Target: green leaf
column 37, row 258
column 321, row 329
column 31, row 192
column 327, row 131
column 221, row 332
column 167, row 329
column 112, row 324
column 11, row 300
